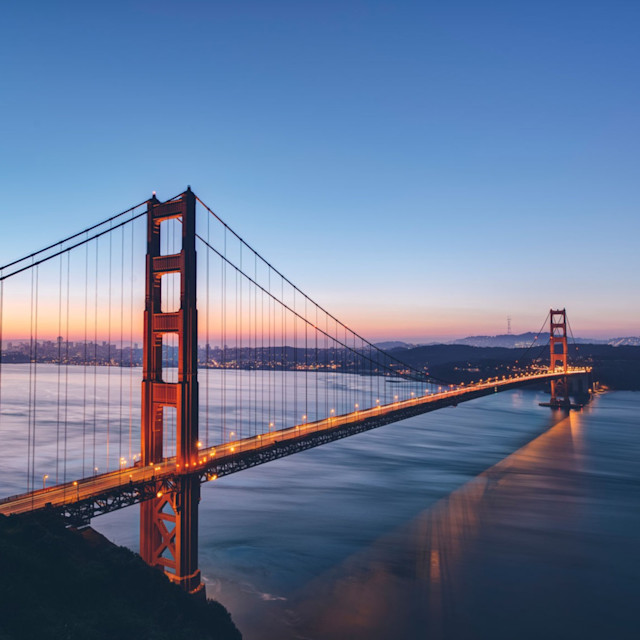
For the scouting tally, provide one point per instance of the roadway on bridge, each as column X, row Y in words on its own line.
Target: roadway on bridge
column 87, row 488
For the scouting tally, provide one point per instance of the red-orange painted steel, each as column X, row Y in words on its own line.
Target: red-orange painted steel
column 169, row 523
column 558, row 358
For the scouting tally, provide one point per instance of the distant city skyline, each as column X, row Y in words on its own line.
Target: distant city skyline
column 421, row 171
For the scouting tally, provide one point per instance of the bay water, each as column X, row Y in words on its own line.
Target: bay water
column 495, row 519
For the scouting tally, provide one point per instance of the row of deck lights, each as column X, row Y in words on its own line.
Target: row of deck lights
column 123, row 460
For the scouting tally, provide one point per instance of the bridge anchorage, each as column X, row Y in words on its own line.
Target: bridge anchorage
column 287, row 376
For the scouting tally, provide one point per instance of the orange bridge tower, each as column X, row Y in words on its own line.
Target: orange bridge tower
column 559, row 353
column 169, row 522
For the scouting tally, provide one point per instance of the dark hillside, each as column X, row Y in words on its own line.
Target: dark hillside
column 615, row 367
column 59, row 584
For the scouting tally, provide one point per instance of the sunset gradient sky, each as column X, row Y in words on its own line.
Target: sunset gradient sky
column 422, row 169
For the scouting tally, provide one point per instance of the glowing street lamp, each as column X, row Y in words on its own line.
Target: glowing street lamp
column 44, row 479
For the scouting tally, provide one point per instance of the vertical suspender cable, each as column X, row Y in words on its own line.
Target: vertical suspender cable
column 121, row 346
column 66, row 370
column 131, row 345
column 59, row 372
column 284, row 357
column 238, row 404
column 95, row 355
column 207, row 337
column 316, row 367
column 269, row 300
column 1, row 335
column 306, row 363
column 255, row 348
column 35, row 382
column 224, row 340
column 85, row 355
column 108, row 371
column 30, row 397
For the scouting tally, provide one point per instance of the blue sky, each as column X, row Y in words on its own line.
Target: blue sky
column 422, row 169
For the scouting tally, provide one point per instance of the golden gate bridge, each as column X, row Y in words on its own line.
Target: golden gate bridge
column 285, row 375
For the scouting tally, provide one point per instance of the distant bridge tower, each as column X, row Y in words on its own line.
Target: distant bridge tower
column 559, row 353
column 169, row 522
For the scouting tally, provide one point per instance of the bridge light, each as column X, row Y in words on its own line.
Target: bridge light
column 44, row 479
column 233, row 449
column 199, row 445
column 159, row 494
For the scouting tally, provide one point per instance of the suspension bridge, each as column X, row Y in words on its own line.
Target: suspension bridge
column 237, row 367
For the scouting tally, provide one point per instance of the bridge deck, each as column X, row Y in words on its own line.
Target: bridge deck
column 82, row 499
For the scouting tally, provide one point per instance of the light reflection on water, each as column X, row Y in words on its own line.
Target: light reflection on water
column 434, row 528
column 527, row 549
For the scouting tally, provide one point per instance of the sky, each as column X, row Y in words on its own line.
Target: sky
column 423, row 170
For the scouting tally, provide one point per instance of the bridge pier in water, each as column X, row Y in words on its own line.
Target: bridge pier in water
column 563, row 388
column 559, row 353
column 169, row 522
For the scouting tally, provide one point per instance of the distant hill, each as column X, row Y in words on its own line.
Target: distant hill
column 510, row 341
column 507, row 340
column 394, row 344
column 518, row 341
column 624, row 342
column 615, row 366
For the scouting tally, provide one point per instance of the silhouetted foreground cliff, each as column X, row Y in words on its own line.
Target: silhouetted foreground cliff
column 65, row 585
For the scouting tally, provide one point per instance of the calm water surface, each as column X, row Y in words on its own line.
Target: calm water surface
column 496, row 519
